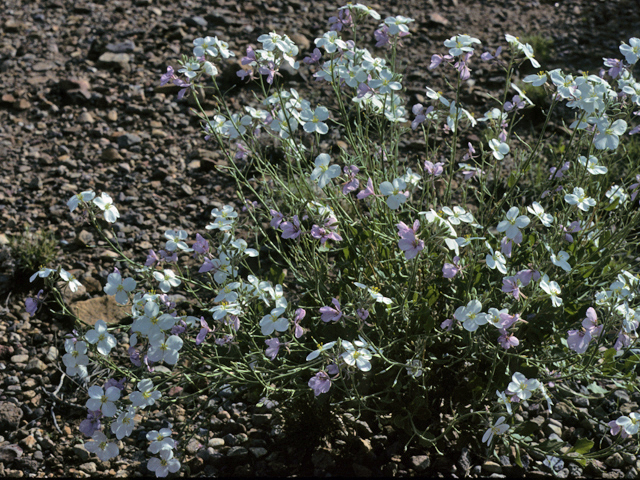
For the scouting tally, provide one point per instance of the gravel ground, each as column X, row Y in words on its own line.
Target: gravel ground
column 80, row 109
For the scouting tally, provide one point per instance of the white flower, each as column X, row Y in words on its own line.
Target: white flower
column 457, row 215
column 116, row 286
column 617, row 193
column 537, row 80
column 496, row 260
column 397, row 24
column 104, row 339
column 537, row 211
column 164, row 350
column 629, row 423
column 72, row 282
column 315, row 121
column 241, row 247
column 227, row 294
column 503, row 399
column 493, row 317
column 101, row 400
column 631, row 52
column 323, row 173
column 272, row 322
column 205, row 45
column 608, row 133
column 363, row 8
column 580, row 199
column 330, row 42
column 146, row 395
column 552, row 289
column 414, row 368
column 592, row 165
column 500, row 149
column 560, row 260
column 499, row 428
column 101, row 446
column 513, row 223
column 460, row 44
column 176, row 240
column 167, row 280
column 521, row 387
column 321, row 348
column 394, row 192
column 226, row 308
column 524, row 48
column 76, row 358
column 190, row 69
column 124, row 425
column 356, row 356
column 43, row 273
column 227, row 212
column 165, row 464
column 471, row 316
column 105, row 203
column 411, row 178
column 377, row 296
column 385, row 83
column 160, row 440
column 80, row 197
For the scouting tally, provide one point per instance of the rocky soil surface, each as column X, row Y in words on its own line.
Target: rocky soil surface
column 81, row 109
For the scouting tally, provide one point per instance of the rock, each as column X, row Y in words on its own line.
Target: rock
column 322, row 459
column 36, row 365
column 186, row 189
column 84, row 238
column 100, row 308
column 22, row 104
column 492, row 467
column 10, row 416
column 615, row 460
column 9, row 453
column 361, row 471
column 258, row 452
column 438, row 19
column 85, row 117
column 110, row 154
column 20, row 359
column 237, row 452
column 420, row 462
column 215, row 442
column 193, row 446
column 464, row 462
column 128, row 139
column 301, row 41
column 122, row 47
column 112, row 116
column 28, row 442
column 89, row 467
column 115, row 61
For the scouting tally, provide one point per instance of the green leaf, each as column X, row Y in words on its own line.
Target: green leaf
column 582, row 446
column 512, row 180
column 594, row 387
column 518, row 459
column 551, row 445
column 345, row 252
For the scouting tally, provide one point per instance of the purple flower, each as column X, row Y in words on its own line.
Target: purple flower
column 32, row 304
column 469, row 155
column 447, row 324
column 152, row 258
column 209, row 264
column 508, row 340
column 555, row 173
column 250, row 58
column 166, row 78
column 409, row 243
column 291, row 229
column 242, row 152
column 204, row 331
column 623, row 341
column 615, row 66
column 327, row 232
column 382, row 36
column 573, row 227
column 578, row 340
column 276, row 218
column 436, row 60
column 179, row 328
column 89, row 426
column 313, row 58
column 352, row 182
column 273, row 346
column 362, row 313
column 367, row 191
column 233, row 321
column 298, row 331
column 461, row 66
column 202, row 245
column 507, row 320
column 331, row 314
column 112, row 382
column 364, row 90
column 450, row 270
column 320, row 383
column 185, row 87
column 516, row 103
column 342, row 20
column 512, row 285
column 168, row 258
column 134, row 356
column 270, row 70
column 525, row 276
column 421, row 114
column 486, row 56
column 435, row 169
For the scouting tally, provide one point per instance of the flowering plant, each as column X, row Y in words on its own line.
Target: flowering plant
column 405, row 272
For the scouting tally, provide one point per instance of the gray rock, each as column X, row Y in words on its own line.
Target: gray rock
column 193, row 446
column 464, row 462
column 615, row 460
column 622, row 395
column 128, row 139
column 36, row 365
column 122, row 47
column 81, row 452
column 215, row 442
column 230, row 439
column 10, row 416
column 116, row 61
column 420, row 462
column 196, row 21
column 258, row 451
column 491, row 467
column 9, row 453
column 237, row 452
column 632, row 473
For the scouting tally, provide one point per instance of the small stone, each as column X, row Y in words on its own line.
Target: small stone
column 622, row 395
column 439, row 19
column 51, row 354
column 193, row 165
column 85, row 117
column 10, row 416
column 100, row 308
column 84, row 238
column 20, row 359
column 22, row 104
column 81, row 452
column 36, row 365
column 615, row 460
column 420, row 462
column 215, row 442
column 629, row 458
column 128, row 139
column 236, row 452
column 89, row 467
column 581, row 402
column 491, row 467
column 110, row 154
column 258, row 451
column 9, row 453
column 28, row 442
column 193, row 446
column 116, row 61
column 112, row 116
column 186, row 189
